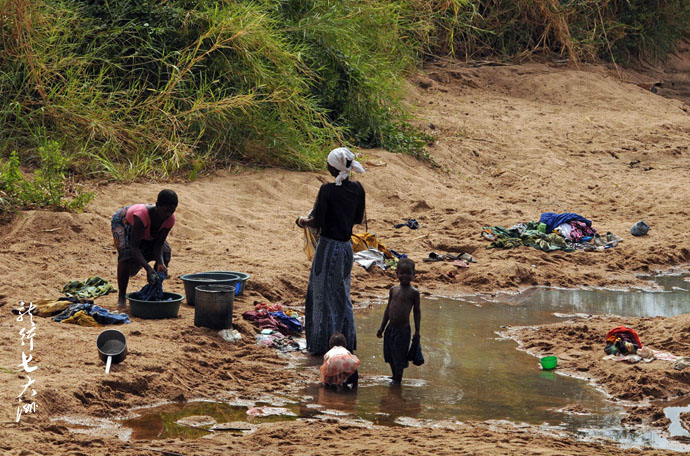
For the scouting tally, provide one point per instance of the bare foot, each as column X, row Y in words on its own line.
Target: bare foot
column 121, row 303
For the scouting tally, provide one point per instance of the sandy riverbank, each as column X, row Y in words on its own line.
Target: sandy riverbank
column 512, row 142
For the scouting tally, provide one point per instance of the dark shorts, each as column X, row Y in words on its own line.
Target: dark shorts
column 396, row 345
column 122, row 238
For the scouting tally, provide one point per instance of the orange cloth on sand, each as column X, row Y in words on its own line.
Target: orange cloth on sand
column 81, row 318
column 365, row 241
column 338, row 365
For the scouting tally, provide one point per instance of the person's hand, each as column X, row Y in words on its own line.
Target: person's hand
column 416, row 336
column 151, row 275
column 162, row 268
column 299, row 222
column 379, row 333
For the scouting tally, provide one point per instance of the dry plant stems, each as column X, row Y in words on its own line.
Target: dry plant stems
column 131, row 89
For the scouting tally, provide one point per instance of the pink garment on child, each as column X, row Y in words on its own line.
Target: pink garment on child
column 338, row 365
column 142, row 214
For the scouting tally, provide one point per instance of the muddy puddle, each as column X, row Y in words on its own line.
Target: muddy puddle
column 470, row 373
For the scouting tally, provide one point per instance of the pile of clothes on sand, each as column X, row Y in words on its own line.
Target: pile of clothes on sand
column 279, row 328
column 624, row 344
column 77, row 305
column 568, row 232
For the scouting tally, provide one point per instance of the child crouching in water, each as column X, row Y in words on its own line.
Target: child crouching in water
column 339, row 365
column 396, row 321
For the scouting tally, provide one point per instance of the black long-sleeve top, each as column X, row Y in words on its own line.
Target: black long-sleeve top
column 338, row 208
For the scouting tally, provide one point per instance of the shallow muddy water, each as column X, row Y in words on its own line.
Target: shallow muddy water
column 473, row 374
column 470, row 373
column 162, row 422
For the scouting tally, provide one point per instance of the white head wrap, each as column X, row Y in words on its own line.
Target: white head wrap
column 338, row 159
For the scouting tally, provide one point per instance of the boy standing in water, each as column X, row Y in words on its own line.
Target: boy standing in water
column 396, row 320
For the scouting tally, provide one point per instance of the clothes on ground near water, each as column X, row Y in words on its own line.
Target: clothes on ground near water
column 338, row 208
column 279, row 341
column 101, row 315
column 570, row 236
column 529, row 236
column 92, row 287
column 122, row 237
column 328, row 307
column 365, row 241
column 396, row 346
column 368, row 258
column 50, row 307
column 411, row 224
column 640, row 228
column 152, row 291
column 580, row 230
column 552, row 220
column 293, row 324
column 81, row 318
column 269, row 307
column 415, row 353
column 338, row 365
column 622, row 340
column 264, row 320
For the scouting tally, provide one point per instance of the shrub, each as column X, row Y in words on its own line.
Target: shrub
column 48, row 188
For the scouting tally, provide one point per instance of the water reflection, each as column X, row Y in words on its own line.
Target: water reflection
column 471, row 374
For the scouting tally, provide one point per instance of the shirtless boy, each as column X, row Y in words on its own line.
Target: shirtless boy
column 395, row 327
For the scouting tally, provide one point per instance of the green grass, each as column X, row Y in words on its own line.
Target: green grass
column 133, row 89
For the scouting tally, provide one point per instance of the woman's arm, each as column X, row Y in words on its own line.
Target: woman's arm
column 158, row 248
column 317, row 214
column 137, row 236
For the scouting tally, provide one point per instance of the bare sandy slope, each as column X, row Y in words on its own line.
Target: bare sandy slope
column 512, row 142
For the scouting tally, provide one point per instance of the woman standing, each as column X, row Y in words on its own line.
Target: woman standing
column 339, row 206
column 139, row 233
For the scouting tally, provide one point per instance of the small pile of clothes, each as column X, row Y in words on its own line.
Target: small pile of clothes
column 276, row 340
column 622, row 340
column 92, row 287
column 79, row 311
column 272, row 317
column 277, row 326
column 623, row 344
column 567, row 231
column 89, row 314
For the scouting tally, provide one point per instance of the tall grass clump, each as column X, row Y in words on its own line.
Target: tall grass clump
column 148, row 88
column 577, row 29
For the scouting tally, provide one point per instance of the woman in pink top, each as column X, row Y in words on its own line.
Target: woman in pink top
column 139, row 233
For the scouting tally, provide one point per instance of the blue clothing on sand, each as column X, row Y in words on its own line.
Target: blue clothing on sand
column 293, row 324
column 101, row 315
column 328, row 308
column 553, row 220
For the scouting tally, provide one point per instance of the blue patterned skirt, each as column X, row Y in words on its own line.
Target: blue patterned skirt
column 328, row 308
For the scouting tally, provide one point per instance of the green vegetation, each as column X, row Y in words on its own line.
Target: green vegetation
column 47, row 188
column 150, row 88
